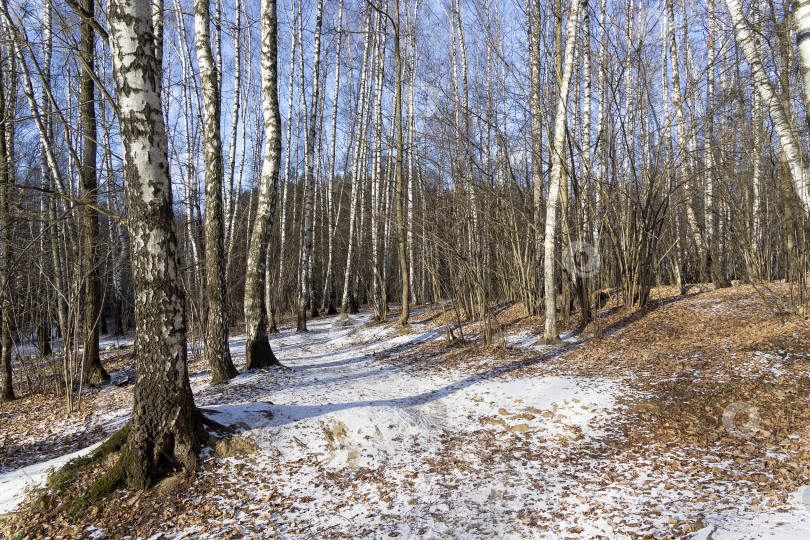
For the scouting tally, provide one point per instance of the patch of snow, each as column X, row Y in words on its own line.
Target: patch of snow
column 15, row 484
column 791, row 522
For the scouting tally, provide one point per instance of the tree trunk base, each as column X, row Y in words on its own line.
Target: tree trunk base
column 96, row 375
column 555, row 340
column 140, row 466
column 223, row 372
column 259, row 354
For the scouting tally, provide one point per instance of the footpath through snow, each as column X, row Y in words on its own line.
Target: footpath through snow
column 360, row 436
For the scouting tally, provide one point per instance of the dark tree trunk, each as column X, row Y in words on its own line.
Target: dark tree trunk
column 44, row 338
column 7, row 388
column 94, row 372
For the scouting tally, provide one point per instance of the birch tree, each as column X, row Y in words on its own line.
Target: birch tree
column 288, row 150
column 258, row 351
column 399, row 199
column 678, row 105
column 166, row 427
column 304, row 283
column 330, row 286
column 764, row 86
column 801, row 23
column 217, row 352
column 349, row 301
column 555, row 180
column 377, row 196
column 537, row 130
column 232, row 192
column 412, row 156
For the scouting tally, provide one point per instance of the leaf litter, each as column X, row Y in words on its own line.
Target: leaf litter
column 372, row 432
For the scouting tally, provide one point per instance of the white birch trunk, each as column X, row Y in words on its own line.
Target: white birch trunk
column 165, row 422
column 376, row 180
column 764, row 86
column 232, row 192
column 600, row 122
column 329, row 287
column 757, row 119
column 217, row 351
column 412, row 155
column 305, row 284
column 555, row 180
column 677, row 102
column 349, row 302
column 258, row 351
column 288, row 152
column 537, row 139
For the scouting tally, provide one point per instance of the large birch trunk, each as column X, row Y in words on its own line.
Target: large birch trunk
column 166, row 427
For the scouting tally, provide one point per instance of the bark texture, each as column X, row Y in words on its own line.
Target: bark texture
column 217, row 353
column 259, row 353
column 166, row 428
column 94, row 373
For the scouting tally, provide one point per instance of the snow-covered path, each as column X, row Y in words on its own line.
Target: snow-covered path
column 451, row 451
column 362, row 435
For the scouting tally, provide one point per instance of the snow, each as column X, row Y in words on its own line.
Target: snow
column 790, row 525
column 29, row 348
column 527, row 339
column 15, row 484
column 364, row 437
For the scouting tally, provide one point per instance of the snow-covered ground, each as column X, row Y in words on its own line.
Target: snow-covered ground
column 15, row 484
column 357, row 437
